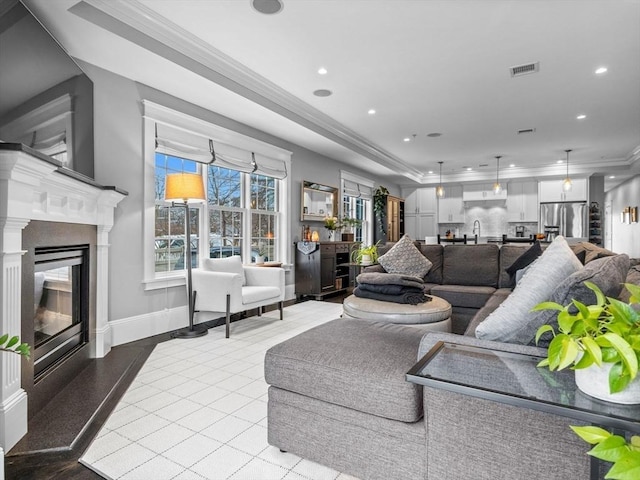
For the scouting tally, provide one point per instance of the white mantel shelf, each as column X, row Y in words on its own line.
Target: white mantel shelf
column 34, row 186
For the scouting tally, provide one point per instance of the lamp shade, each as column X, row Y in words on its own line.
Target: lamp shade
column 187, row 187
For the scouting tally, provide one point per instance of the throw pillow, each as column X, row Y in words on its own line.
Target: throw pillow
column 404, row 258
column 523, row 261
column 232, row 264
column 510, row 321
column 591, row 251
column 608, row 273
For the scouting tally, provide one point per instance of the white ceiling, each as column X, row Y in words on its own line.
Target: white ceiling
column 425, row 66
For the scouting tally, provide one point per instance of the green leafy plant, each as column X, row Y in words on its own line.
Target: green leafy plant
column 624, row 455
column 351, row 222
column 360, row 250
column 380, row 205
column 608, row 331
column 13, row 345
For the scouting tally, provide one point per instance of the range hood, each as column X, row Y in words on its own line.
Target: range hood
column 482, row 193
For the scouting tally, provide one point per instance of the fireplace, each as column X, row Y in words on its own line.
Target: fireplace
column 61, row 305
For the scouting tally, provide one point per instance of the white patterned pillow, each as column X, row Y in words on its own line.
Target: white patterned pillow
column 405, row 258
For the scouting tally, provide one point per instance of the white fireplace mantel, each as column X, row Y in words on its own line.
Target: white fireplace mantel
column 36, row 187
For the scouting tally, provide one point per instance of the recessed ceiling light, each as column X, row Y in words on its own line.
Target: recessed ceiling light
column 512, row 165
column 601, row 70
column 268, row 7
column 469, row 169
column 323, row 93
column 560, row 161
column 371, row 111
column 612, row 176
column 406, row 139
column 322, row 71
column 582, row 116
column 430, row 172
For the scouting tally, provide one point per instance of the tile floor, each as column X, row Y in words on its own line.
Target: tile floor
column 198, row 409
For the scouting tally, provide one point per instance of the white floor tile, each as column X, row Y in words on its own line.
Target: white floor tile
column 158, row 468
column 230, row 403
column 255, row 389
column 209, row 395
column 201, row 419
column 178, row 410
column 252, row 412
column 252, row 441
column 122, row 417
column 313, row 470
column 226, row 429
column 224, row 462
column 142, row 427
column 192, row 450
column 165, row 438
column 273, row 455
column 105, row 445
column 259, row 469
column 124, row 460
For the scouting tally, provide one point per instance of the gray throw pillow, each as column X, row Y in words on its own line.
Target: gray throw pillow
column 404, row 258
column 510, row 322
column 608, row 273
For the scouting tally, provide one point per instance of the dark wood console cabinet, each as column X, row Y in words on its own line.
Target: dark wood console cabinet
column 322, row 268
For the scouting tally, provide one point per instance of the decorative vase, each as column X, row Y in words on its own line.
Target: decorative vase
column 331, row 235
column 594, row 381
column 260, row 259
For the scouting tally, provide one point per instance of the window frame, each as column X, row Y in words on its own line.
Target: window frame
column 155, row 113
column 367, row 230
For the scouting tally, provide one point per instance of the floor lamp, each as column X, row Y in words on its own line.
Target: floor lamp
column 189, row 188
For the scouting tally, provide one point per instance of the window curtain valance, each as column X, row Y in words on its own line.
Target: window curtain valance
column 181, row 143
column 355, row 189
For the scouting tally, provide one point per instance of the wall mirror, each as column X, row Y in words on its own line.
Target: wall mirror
column 318, row 201
column 46, row 100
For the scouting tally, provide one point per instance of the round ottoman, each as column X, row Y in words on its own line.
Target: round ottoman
column 434, row 315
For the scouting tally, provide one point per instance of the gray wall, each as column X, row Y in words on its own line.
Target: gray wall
column 118, row 127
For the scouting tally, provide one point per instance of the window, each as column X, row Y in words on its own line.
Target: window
column 357, row 195
column 169, row 242
column 247, row 188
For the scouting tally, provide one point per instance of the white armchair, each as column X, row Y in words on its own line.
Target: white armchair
column 225, row 285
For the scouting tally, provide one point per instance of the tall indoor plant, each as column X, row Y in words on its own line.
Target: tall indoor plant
column 380, row 206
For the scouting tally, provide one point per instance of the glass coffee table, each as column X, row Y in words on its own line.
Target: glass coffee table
column 514, row 379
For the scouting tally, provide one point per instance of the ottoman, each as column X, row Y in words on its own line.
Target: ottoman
column 432, row 316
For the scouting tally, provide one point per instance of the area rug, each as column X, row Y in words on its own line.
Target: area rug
column 198, row 408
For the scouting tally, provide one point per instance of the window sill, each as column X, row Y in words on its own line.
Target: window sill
column 164, row 282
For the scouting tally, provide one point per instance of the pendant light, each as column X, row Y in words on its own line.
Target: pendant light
column 497, row 188
column 440, row 188
column 566, row 184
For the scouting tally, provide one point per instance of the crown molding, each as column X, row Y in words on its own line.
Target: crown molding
column 137, row 23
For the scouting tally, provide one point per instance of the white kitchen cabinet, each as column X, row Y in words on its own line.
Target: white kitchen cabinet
column 482, row 192
column 451, row 207
column 522, row 202
column 420, row 225
column 420, row 200
column 551, row 191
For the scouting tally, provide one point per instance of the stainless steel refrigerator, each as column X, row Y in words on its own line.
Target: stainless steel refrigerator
column 570, row 217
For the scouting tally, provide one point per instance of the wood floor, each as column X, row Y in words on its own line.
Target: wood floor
column 113, row 373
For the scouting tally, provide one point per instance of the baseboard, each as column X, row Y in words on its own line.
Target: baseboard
column 13, row 419
column 130, row 329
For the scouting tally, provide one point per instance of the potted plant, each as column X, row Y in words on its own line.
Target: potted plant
column 624, row 455
column 13, row 345
column 365, row 254
column 601, row 342
column 380, row 206
column 263, row 251
column 351, row 224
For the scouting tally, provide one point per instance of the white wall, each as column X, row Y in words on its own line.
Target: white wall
column 625, row 237
column 119, row 161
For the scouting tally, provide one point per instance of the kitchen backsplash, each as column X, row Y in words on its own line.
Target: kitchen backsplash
column 493, row 223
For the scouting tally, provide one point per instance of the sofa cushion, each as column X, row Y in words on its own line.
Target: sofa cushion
column 494, row 302
column 435, row 255
column 471, row 265
column 404, row 258
column 511, row 321
column 232, row 264
column 359, row 364
column 522, row 262
column 608, row 273
column 633, row 276
column 464, row 295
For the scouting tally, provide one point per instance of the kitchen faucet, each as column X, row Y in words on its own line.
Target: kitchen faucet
column 476, row 222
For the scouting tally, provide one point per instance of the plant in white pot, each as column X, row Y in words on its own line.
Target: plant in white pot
column 601, row 342
column 365, row 254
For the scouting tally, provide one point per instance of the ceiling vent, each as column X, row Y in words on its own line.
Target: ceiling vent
column 526, row 130
column 525, row 69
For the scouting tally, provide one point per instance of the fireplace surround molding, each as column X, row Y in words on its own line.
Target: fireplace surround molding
column 34, row 186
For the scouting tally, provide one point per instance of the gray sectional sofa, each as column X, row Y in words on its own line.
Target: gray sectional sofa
column 338, row 394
